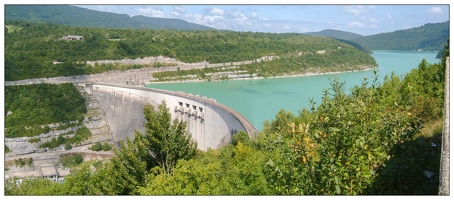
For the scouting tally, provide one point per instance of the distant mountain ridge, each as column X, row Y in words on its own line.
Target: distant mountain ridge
column 428, row 37
column 343, row 35
column 82, row 17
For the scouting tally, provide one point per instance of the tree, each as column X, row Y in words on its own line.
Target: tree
column 37, row 186
column 106, row 147
column 68, row 146
column 96, row 147
column 231, row 170
column 81, row 182
column 167, row 142
column 127, row 169
column 160, row 147
column 78, row 158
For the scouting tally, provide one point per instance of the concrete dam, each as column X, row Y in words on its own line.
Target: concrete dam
column 210, row 123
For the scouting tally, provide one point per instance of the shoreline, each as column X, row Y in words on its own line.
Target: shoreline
column 257, row 78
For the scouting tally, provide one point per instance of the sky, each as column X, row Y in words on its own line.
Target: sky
column 279, row 16
column 361, row 19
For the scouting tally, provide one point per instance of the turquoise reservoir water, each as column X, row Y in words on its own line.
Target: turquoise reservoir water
column 260, row 99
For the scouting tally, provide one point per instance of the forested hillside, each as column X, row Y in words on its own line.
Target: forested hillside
column 32, row 48
column 37, row 105
column 429, row 37
column 82, row 17
column 372, row 139
column 344, row 35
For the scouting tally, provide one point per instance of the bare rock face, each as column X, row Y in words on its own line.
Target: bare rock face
column 137, row 61
column 20, row 146
column 23, row 146
column 97, row 125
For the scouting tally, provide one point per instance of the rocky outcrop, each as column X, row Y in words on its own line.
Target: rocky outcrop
column 97, row 125
column 21, row 145
column 137, row 76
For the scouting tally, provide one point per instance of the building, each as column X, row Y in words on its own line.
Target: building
column 22, row 175
column 73, row 37
column 47, row 170
column 52, row 173
column 56, row 62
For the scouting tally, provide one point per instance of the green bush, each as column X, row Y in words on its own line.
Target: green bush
column 68, row 146
column 81, row 135
column 97, row 164
column 78, row 158
column 106, row 147
column 34, row 140
column 30, row 162
column 19, row 162
column 52, row 144
column 96, row 147
column 71, row 159
column 7, row 150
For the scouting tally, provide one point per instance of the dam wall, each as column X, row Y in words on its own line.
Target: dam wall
column 210, row 123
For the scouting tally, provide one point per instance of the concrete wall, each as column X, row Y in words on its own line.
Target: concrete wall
column 210, row 123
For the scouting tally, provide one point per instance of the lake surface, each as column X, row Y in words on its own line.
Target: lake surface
column 260, row 99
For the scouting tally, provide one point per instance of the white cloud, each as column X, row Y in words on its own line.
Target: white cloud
column 357, row 10
column 236, row 15
column 435, row 11
column 151, row 12
column 217, row 11
column 212, row 18
column 355, row 24
column 198, row 18
column 179, row 9
column 253, row 15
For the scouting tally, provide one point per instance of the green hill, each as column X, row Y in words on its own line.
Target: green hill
column 82, row 17
column 429, row 37
column 344, row 35
column 31, row 49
